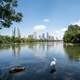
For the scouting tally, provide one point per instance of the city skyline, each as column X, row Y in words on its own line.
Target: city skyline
column 42, row 16
column 44, row 36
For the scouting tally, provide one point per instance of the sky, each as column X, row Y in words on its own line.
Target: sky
column 41, row 16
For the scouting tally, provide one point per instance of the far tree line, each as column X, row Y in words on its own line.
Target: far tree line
column 72, row 35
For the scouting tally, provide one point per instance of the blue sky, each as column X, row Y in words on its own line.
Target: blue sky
column 51, row 16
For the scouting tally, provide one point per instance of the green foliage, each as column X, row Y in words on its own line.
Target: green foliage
column 13, row 39
column 5, row 39
column 8, row 14
column 73, row 51
column 72, row 34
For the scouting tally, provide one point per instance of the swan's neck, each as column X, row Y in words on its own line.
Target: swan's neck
column 54, row 59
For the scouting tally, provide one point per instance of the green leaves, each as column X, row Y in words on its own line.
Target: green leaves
column 8, row 14
column 72, row 34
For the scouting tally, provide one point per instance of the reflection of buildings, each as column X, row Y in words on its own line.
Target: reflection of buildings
column 16, row 49
column 41, row 49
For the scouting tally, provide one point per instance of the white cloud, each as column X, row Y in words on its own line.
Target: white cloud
column 77, row 22
column 64, row 29
column 39, row 28
column 61, row 30
column 46, row 20
column 57, row 31
column 60, row 33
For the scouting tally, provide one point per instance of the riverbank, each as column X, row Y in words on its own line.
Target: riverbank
column 71, row 44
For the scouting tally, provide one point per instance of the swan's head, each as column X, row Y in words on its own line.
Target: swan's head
column 54, row 59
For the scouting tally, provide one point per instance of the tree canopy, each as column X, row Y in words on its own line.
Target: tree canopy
column 8, row 13
column 72, row 34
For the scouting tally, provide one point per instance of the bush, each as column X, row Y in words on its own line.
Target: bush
column 72, row 34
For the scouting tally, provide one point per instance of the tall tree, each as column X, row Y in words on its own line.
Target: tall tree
column 72, row 34
column 13, row 34
column 8, row 14
column 18, row 33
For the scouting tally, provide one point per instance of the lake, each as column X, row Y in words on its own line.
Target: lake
column 36, row 58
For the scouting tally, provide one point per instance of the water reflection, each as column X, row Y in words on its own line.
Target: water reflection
column 73, row 52
column 36, row 58
column 4, row 46
column 6, row 76
column 36, row 47
column 52, row 69
column 16, row 49
column 44, row 46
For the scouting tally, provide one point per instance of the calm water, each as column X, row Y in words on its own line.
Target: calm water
column 36, row 58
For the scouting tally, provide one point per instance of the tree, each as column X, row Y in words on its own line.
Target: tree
column 8, row 14
column 13, row 34
column 18, row 33
column 72, row 34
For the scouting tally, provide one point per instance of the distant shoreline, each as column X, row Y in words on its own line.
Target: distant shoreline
column 30, row 42
column 71, row 44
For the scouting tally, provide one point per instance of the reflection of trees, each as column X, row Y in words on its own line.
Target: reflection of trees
column 73, row 51
column 4, row 46
column 40, row 49
column 42, row 46
column 31, row 45
column 16, row 49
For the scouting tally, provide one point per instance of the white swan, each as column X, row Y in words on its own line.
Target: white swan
column 53, row 63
